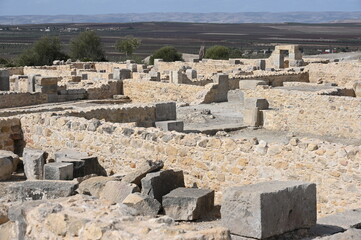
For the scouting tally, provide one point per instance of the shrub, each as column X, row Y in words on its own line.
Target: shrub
column 168, row 54
column 87, row 47
column 218, row 52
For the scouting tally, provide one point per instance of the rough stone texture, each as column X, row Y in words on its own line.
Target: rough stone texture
column 188, row 203
column 3, row 214
column 145, row 205
column 121, row 74
column 170, row 125
column 251, row 84
column 268, row 209
column 116, row 191
column 351, row 234
column 165, row 111
column 252, row 117
column 261, row 104
column 39, row 190
column 15, row 158
column 83, row 164
column 34, row 161
column 235, row 96
column 158, row 184
column 346, row 220
column 8, row 231
column 141, row 171
column 6, row 167
column 4, row 80
column 58, row 171
column 93, row 186
column 357, row 88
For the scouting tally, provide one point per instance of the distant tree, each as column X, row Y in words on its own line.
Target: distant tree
column 168, row 54
column 218, row 52
column 43, row 52
column 127, row 45
column 87, row 46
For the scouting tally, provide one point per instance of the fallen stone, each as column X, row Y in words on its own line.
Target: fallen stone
column 34, row 161
column 158, row 184
column 93, row 186
column 173, row 125
column 58, row 171
column 345, row 220
column 187, row 204
column 82, row 163
column 42, row 189
column 15, row 157
column 117, row 191
column 268, row 209
column 146, row 167
column 144, row 205
column 6, row 167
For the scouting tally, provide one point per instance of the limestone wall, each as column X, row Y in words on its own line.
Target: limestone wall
column 15, row 99
column 105, row 91
column 343, row 73
column 49, row 71
column 142, row 115
column 311, row 113
column 10, row 131
column 210, row 162
column 274, row 79
column 147, row 91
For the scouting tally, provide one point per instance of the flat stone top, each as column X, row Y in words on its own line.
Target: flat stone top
column 188, row 192
column 347, row 219
column 267, row 187
column 58, row 164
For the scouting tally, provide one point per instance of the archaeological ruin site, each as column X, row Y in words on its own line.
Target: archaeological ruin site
column 198, row 149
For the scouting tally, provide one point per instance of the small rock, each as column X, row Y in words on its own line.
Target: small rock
column 3, row 214
column 312, row 147
column 144, row 205
column 116, row 191
column 93, row 186
column 147, row 167
column 294, row 141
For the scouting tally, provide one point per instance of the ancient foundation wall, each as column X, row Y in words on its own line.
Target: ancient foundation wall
column 274, row 79
column 147, row 91
column 49, row 71
column 311, row 113
column 342, row 73
column 109, row 66
column 105, row 91
column 16, row 71
column 10, row 132
column 16, row 99
column 209, row 162
column 142, row 115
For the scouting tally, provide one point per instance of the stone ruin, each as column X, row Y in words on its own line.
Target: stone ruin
column 236, row 149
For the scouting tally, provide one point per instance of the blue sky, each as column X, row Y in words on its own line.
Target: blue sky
column 53, row 7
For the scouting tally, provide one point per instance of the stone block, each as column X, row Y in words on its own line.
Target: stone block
column 93, row 186
column 141, row 171
column 235, row 96
column 260, row 103
column 58, row 171
column 261, row 64
column 34, row 161
column 144, row 205
column 165, row 111
column 347, row 219
column 251, row 84
column 117, row 191
column 76, row 78
column 15, row 158
column 191, row 73
column 133, row 67
column 234, row 61
column 221, row 79
column 83, row 164
column 268, row 209
column 6, row 167
column 252, row 117
column 40, row 190
column 121, row 74
column 4, row 80
column 170, row 125
column 158, row 184
column 177, row 77
column 187, row 204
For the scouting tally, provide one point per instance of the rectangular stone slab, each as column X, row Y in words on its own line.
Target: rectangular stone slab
column 346, row 220
column 268, row 209
column 187, row 204
column 58, row 171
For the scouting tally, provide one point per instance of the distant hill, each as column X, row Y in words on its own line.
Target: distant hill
column 242, row 17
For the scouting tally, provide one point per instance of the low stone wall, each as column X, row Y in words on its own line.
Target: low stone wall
column 49, row 71
column 142, row 115
column 308, row 112
column 344, row 74
column 147, row 91
column 16, row 99
column 105, row 91
column 274, row 79
column 10, row 131
column 208, row 162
